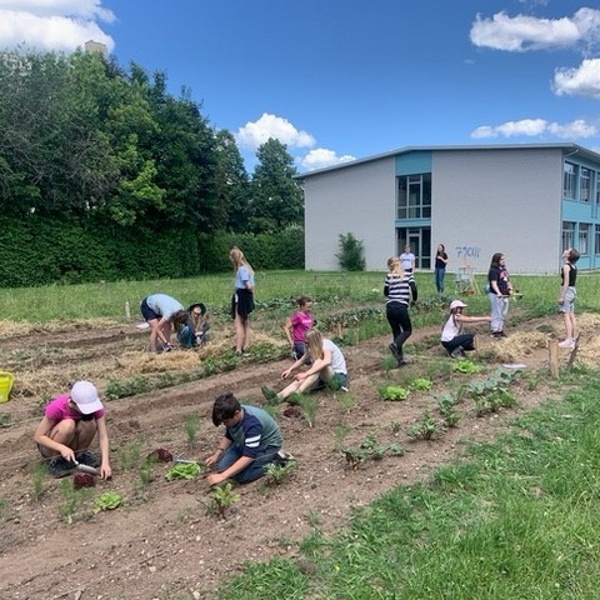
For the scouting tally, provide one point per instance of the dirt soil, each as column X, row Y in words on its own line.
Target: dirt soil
column 161, row 543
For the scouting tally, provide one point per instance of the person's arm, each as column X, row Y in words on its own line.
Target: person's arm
column 157, row 328
column 105, row 470
column 41, row 437
column 239, row 465
column 319, row 364
column 386, row 286
column 565, row 284
column 412, row 262
column 223, row 446
column 295, row 366
column 414, row 294
column 444, row 259
column 287, row 328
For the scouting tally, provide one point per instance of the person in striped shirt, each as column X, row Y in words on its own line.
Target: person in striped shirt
column 252, row 440
column 400, row 289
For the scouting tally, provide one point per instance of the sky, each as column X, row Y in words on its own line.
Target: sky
column 337, row 80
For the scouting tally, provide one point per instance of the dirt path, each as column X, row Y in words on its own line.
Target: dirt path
column 162, row 542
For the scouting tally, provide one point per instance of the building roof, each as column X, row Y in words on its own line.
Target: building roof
column 567, row 147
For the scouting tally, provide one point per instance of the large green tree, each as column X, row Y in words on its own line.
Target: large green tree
column 276, row 197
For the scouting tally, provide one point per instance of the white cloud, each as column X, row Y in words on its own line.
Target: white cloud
column 522, row 33
column 255, row 133
column 62, row 25
column 581, row 81
column 319, row 158
column 536, row 127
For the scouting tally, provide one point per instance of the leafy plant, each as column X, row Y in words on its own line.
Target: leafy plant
column 184, row 471
column 467, row 366
column 277, row 474
column 393, row 393
column 108, row 501
column 396, row 426
column 427, row 428
column 370, row 449
column 421, row 384
column 221, row 498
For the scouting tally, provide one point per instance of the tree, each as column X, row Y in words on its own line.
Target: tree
column 276, row 197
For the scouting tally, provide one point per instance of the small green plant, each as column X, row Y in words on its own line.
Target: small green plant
column 340, row 432
column 421, row 384
column 129, row 457
column 314, row 518
column 38, row 475
column 467, row 366
column 370, row 449
column 428, row 428
column 5, row 420
column 3, row 509
column 108, row 501
column 221, row 499
column 191, row 429
column 347, row 401
column 308, row 404
column 277, row 474
column 393, row 393
column 72, row 498
column 395, row 427
column 184, row 471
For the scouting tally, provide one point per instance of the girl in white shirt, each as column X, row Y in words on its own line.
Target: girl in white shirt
column 454, row 340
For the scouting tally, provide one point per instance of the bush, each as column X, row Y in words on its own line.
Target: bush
column 352, row 253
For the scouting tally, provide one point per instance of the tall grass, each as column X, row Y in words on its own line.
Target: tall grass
column 518, row 520
column 107, row 299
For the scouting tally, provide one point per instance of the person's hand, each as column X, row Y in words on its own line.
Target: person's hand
column 212, row 459
column 215, row 478
column 68, row 454
column 300, row 377
column 561, row 300
column 286, row 374
column 105, row 471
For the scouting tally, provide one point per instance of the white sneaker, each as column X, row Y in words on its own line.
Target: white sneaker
column 567, row 344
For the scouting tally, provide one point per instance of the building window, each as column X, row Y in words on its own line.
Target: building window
column 414, row 196
column 569, row 181
column 584, row 238
column 597, row 240
column 568, row 235
column 585, row 185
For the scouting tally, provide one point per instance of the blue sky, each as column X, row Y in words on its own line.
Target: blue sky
column 341, row 79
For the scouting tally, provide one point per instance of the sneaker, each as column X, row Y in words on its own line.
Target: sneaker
column 497, row 335
column 568, row 343
column 345, row 388
column 457, row 353
column 59, row 467
column 270, row 395
column 282, row 458
column 89, row 459
column 396, row 352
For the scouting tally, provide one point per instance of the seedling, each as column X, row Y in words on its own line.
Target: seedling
column 347, row 401
column 277, row 474
column 72, row 498
column 308, row 404
column 108, row 501
column 393, row 393
column 191, row 429
column 340, row 431
column 427, row 428
column 369, row 449
column 184, row 471
column 222, row 498
column 38, row 473
column 130, row 455
column 4, row 420
column 354, row 457
column 3, row 504
column 395, row 426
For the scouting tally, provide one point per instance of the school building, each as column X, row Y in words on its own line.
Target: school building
column 527, row 201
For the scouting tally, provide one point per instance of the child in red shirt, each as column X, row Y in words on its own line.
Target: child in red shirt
column 297, row 325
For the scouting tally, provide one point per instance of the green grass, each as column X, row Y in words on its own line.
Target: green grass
column 518, row 519
column 42, row 304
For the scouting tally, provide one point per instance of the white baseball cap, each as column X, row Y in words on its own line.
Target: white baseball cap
column 85, row 396
column 457, row 304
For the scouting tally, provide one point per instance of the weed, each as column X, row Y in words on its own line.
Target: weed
column 313, row 518
column 191, row 429
column 221, row 499
column 277, row 474
column 3, row 509
column 38, row 475
column 395, row 426
column 389, row 363
column 428, row 428
column 5, row 420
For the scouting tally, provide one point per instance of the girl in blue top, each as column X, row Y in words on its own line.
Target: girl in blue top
column 242, row 302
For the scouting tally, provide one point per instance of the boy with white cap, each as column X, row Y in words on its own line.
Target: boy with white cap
column 453, row 339
column 69, row 426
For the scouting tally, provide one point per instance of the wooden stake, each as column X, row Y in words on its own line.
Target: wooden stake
column 127, row 311
column 553, row 358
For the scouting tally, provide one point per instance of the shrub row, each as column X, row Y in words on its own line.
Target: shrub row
column 42, row 250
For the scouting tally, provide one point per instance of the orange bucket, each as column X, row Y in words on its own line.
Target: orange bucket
column 6, row 382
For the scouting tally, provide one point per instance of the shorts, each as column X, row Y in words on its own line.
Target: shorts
column 147, row 312
column 568, row 306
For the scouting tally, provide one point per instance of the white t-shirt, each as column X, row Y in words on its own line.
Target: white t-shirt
column 338, row 362
column 451, row 329
column 407, row 259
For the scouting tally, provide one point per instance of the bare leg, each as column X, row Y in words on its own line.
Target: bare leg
column 299, row 386
column 84, row 435
column 63, row 433
column 240, row 333
column 568, row 326
column 153, row 334
column 246, row 334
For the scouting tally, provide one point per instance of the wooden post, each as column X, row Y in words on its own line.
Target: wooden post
column 127, row 311
column 553, row 358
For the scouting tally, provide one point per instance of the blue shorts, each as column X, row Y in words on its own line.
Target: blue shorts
column 568, row 306
column 147, row 312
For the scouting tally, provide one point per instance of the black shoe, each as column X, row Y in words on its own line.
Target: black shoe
column 396, row 352
column 458, row 353
column 89, row 459
column 59, row 467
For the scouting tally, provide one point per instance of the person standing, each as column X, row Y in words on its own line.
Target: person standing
column 158, row 310
column 500, row 289
column 454, row 341
column 242, row 302
column 441, row 260
column 407, row 258
column 399, row 288
column 297, row 325
column 568, row 294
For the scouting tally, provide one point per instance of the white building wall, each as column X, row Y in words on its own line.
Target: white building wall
column 505, row 201
column 360, row 200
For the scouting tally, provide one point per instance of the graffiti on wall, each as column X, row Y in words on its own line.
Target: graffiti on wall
column 467, row 251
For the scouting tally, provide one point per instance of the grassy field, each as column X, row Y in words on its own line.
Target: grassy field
column 108, row 299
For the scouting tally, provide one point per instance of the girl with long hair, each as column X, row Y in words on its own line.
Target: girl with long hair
column 500, row 289
column 242, row 301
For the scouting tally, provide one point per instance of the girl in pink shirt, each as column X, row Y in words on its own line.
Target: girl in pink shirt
column 297, row 325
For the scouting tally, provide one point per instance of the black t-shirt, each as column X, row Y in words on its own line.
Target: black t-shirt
column 440, row 264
